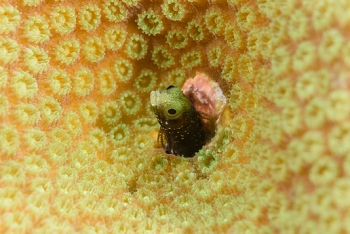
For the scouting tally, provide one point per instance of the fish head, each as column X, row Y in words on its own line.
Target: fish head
column 171, row 106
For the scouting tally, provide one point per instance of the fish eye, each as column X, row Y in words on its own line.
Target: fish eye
column 170, row 86
column 172, row 111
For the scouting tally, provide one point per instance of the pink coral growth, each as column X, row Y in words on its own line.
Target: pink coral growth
column 205, row 95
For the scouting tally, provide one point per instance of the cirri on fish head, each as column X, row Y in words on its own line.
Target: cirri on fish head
column 181, row 129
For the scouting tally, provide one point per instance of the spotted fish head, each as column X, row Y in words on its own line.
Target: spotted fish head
column 171, row 107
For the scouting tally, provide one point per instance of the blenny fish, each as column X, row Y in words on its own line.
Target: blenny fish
column 182, row 129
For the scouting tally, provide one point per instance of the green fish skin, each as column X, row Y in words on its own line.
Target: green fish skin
column 181, row 128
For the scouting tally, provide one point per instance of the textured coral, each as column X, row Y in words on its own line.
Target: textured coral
column 78, row 145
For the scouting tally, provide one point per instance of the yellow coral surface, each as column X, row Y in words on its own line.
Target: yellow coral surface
column 78, row 143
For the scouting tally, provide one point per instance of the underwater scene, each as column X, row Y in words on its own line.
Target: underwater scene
column 267, row 83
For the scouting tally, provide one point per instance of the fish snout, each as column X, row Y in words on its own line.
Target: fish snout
column 154, row 98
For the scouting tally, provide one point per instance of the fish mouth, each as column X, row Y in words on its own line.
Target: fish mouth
column 154, row 98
